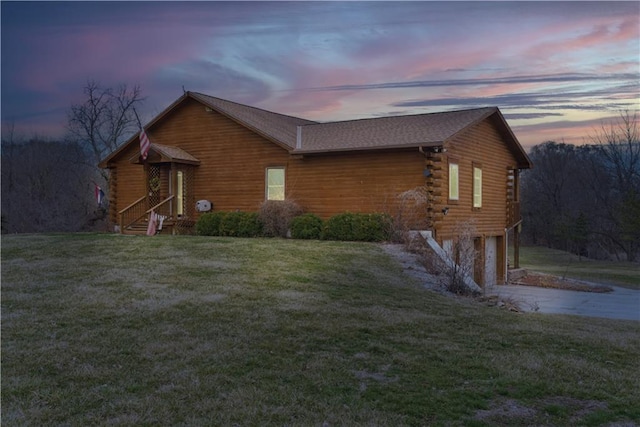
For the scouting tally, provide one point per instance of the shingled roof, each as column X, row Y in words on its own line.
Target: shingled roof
column 388, row 132
column 276, row 127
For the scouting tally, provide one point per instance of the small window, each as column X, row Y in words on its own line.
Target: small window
column 275, row 184
column 453, row 181
column 477, row 187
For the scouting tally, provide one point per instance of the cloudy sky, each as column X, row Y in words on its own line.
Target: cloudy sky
column 555, row 69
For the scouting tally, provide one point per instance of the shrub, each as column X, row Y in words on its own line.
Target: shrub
column 250, row 225
column 209, row 223
column 307, row 226
column 375, row 227
column 358, row 227
column 339, row 227
column 276, row 216
column 240, row 224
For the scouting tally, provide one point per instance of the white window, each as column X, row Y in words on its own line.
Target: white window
column 275, row 184
column 453, row 181
column 477, row 187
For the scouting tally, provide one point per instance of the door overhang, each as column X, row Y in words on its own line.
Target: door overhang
column 159, row 153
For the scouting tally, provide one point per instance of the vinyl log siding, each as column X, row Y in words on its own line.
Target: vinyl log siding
column 233, row 162
column 354, row 182
column 129, row 184
column 483, row 146
column 232, row 158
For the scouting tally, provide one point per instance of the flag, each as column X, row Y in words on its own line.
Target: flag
column 144, row 144
column 99, row 194
column 151, row 228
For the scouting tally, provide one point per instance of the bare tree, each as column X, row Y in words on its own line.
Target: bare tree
column 586, row 199
column 463, row 255
column 618, row 145
column 105, row 119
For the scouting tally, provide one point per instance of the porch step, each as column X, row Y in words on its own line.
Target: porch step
column 140, row 228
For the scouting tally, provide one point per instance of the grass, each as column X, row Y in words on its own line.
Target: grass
column 565, row 264
column 121, row 330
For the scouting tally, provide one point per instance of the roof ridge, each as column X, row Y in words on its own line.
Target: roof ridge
column 493, row 108
column 200, row 94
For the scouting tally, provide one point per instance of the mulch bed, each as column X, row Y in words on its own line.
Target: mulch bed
column 555, row 282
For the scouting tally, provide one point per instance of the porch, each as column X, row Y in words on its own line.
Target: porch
column 134, row 219
column 169, row 177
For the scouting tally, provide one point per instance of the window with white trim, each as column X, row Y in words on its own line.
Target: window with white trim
column 453, row 181
column 275, row 184
column 477, row 186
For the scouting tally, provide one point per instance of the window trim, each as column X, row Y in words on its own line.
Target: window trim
column 477, row 191
column 266, row 182
column 452, row 163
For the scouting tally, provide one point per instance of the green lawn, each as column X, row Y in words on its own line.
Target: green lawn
column 121, row 330
column 560, row 263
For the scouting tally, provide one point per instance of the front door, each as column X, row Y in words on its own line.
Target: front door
column 171, row 179
column 181, row 183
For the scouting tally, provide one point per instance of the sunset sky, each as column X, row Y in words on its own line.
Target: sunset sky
column 555, row 69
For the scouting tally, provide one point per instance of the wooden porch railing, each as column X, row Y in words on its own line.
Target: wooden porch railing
column 138, row 210
column 162, row 208
column 132, row 213
column 513, row 214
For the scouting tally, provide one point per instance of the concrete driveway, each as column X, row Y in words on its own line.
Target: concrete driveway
column 620, row 304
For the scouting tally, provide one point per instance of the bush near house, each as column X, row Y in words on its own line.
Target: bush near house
column 349, row 226
column 276, row 216
column 209, row 224
column 232, row 224
column 240, row 224
column 307, row 226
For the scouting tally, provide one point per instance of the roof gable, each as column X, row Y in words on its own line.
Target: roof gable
column 279, row 128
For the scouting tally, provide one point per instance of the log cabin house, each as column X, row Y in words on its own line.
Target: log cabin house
column 465, row 164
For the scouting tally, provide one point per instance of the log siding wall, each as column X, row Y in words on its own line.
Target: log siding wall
column 355, row 182
column 482, row 146
column 234, row 159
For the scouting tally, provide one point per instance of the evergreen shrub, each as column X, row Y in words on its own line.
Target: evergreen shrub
column 240, row 224
column 209, row 223
column 348, row 226
column 307, row 226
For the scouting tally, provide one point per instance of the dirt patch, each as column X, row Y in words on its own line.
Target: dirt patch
column 549, row 281
column 506, row 411
column 510, row 411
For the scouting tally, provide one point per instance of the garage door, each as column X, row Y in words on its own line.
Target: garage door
column 490, row 261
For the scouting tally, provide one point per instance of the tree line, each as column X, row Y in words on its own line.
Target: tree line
column 50, row 185
column 586, row 199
